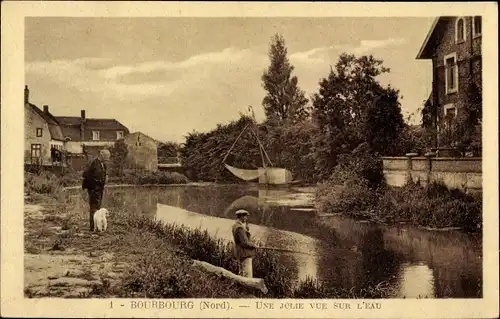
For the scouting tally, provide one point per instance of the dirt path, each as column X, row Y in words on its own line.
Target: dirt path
column 61, row 258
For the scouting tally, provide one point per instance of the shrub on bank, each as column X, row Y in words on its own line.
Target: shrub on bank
column 354, row 186
column 49, row 183
column 154, row 178
column 200, row 245
column 433, row 205
column 42, row 183
column 163, row 275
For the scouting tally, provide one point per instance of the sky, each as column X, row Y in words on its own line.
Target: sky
column 167, row 77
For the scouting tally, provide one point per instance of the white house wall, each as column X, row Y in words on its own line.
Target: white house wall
column 76, row 146
column 32, row 121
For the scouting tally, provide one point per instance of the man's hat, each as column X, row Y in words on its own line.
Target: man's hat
column 241, row 212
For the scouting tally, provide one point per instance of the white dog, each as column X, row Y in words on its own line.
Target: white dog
column 100, row 220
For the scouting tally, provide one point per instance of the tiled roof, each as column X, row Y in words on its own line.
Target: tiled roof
column 71, row 131
column 103, row 124
column 70, row 126
column 54, row 129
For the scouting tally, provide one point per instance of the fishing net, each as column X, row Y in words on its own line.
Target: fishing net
column 245, row 174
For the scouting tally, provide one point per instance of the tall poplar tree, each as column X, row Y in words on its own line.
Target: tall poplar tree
column 284, row 101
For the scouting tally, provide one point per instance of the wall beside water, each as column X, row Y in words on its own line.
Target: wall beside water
column 455, row 172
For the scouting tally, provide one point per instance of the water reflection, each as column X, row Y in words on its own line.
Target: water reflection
column 414, row 262
column 416, row 281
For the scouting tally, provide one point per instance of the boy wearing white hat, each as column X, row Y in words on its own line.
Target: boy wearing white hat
column 244, row 249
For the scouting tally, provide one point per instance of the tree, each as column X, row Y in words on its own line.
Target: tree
column 384, row 123
column 284, row 101
column 203, row 153
column 119, row 153
column 167, row 150
column 428, row 124
column 340, row 108
column 428, row 114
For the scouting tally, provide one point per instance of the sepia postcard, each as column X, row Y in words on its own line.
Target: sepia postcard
column 249, row 160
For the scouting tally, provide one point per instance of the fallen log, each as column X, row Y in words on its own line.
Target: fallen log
column 256, row 283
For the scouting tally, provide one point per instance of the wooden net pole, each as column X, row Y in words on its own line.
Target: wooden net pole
column 227, row 154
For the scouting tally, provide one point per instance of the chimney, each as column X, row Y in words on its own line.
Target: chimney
column 82, row 127
column 26, row 95
column 46, row 109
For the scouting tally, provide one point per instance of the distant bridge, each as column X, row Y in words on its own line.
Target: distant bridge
column 172, row 164
column 164, row 165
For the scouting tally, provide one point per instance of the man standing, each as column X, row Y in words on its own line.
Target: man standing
column 244, row 248
column 94, row 179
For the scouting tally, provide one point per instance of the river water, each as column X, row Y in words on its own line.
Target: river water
column 415, row 263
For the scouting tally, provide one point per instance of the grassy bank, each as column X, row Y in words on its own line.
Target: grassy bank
column 198, row 244
column 433, row 205
column 156, row 259
column 123, row 262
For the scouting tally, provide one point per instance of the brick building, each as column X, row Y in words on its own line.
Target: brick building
column 453, row 44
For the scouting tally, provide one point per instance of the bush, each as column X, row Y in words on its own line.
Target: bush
column 355, row 198
column 153, row 178
column 360, row 165
column 433, row 206
column 163, row 275
column 160, row 177
column 70, row 177
column 43, row 183
column 119, row 153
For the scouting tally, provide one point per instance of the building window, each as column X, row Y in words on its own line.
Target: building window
column 451, row 73
column 95, row 136
column 476, row 26
column 39, row 132
column 119, row 135
column 36, row 150
column 450, row 113
column 460, row 30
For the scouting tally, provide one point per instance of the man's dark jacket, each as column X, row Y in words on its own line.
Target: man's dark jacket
column 94, row 177
column 244, row 248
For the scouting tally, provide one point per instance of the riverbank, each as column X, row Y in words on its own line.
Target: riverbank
column 64, row 259
column 138, row 257
column 141, row 258
column 432, row 207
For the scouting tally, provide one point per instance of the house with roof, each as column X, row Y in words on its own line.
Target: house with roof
column 44, row 139
column 48, row 138
column 84, row 135
column 453, row 44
